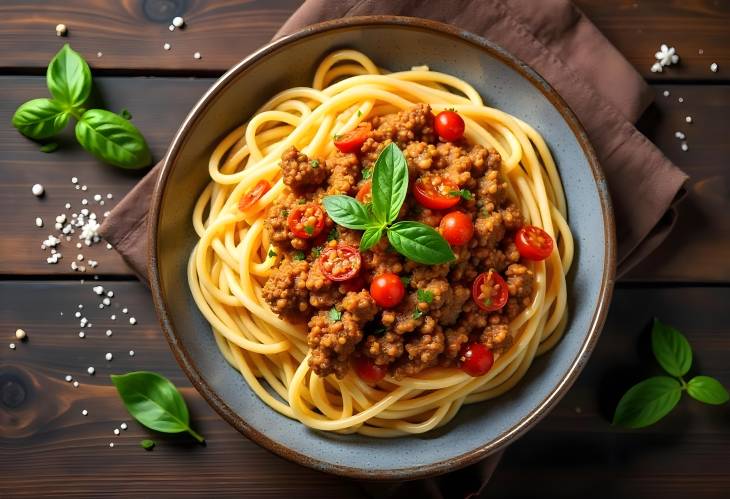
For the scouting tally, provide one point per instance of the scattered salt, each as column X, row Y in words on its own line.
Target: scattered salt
column 108, row 356
column 91, row 370
column 37, row 190
column 61, row 30
column 178, row 21
column 20, row 334
column 123, row 426
column 85, row 412
column 197, row 55
column 69, row 378
column 39, row 222
column 132, row 321
column 713, row 67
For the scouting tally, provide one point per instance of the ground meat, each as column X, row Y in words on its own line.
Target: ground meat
column 520, row 283
column 299, row 172
column 496, row 338
column 383, row 349
column 403, row 318
column 407, row 126
column 344, row 170
column 360, row 305
column 420, row 157
column 454, row 339
column 491, row 192
column 489, row 231
column 423, row 352
column 453, row 300
column 286, row 291
column 323, row 293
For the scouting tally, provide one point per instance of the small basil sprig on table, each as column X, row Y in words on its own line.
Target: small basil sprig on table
column 108, row 136
column 650, row 400
column 414, row 240
column 154, row 401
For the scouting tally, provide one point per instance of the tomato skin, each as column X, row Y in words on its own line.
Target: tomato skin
column 429, row 196
column 533, row 243
column 449, row 125
column 295, row 220
column 254, row 194
column 496, row 300
column 364, row 192
column 368, row 371
column 353, row 140
column 456, row 227
column 387, row 290
column 340, row 254
column 476, row 359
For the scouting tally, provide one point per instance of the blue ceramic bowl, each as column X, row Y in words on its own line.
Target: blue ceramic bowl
column 397, row 44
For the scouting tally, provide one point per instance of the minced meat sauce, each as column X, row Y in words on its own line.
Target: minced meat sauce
column 437, row 315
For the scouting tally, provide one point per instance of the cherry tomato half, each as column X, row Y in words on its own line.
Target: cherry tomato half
column 364, row 195
column 489, row 291
column 368, row 371
column 341, row 262
column 387, row 290
column 449, row 125
column 476, row 359
column 354, row 139
column 435, row 192
column 456, row 227
column 533, row 243
column 253, row 195
column 306, row 220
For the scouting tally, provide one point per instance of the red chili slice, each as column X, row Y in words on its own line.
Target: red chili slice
column 435, row 192
column 489, row 291
column 253, row 195
column 476, row 359
column 306, row 220
column 353, row 140
column 341, row 262
column 368, row 371
column 533, row 243
column 364, row 195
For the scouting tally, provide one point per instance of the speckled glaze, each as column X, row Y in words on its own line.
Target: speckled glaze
column 395, row 43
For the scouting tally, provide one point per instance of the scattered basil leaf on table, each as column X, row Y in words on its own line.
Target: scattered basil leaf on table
column 50, row 147
column 650, row 400
column 414, row 240
column 40, row 118
column 147, row 444
column 154, row 402
column 69, row 78
column 113, row 139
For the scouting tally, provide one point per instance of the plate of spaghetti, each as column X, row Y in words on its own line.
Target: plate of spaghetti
column 378, row 263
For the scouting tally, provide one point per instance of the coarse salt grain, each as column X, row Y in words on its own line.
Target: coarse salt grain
column 116, row 431
column 84, row 412
column 39, row 222
column 131, row 353
column 108, row 356
column 108, row 332
column 125, row 310
column 666, row 93
column 679, row 135
column 178, row 21
column 74, row 180
column 97, row 197
column 109, row 195
column 84, row 187
column 91, row 370
column 688, row 119
column 108, row 246
column 20, row 334
column 61, row 30
column 106, row 301
column 99, row 54
column 713, row 67
column 684, row 146
column 68, row 206
column 132, row 321
column 37, row 190
column 681, row 99
column 12, row 346
column 84, row 201
column 171, row 27
column 166, row 46
column 82, row 334
column 110, row 294
column 197, row 55
column 111, row 444
column 99, row 290
column 76, row 384
column 113, row 317
column 69, row 378
column 123, row 426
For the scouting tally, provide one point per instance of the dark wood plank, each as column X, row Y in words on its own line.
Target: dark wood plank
column 575, row 449
column 131, row 35
column 48, row 448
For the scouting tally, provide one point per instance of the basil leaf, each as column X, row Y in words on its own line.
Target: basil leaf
column 707, row 390
column 124, row 113
column 347, row 211
column 390, row 183
column 40, row 118
column 69, row 78
column 671, row 349
column 370, row 237
column 147, row 444
column 49, row 148
column 424, row 295
column 155, row 402
column 647, row 402
column 112, row 139
column 419, row 242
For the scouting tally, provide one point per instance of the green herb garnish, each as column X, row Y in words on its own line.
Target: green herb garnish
column 414, row 240
column 301, row 201
column 334, row 314
column 462, row 193
column 650, row 400
column 298, row 256
column 316, row 251
column 154, row 402
column 314, row 163
column 417, row 313
column 104, row 134
column 334, row 235
column 284, row 213
column 424, row 296
column 309, row 229
column 367, row 173
column 147, row 444
column 406, row 280
column 50, row 147
column 272, row 253
column 124, row 113
column 359, row 113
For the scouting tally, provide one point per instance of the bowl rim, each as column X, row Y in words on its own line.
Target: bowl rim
column 188, row 365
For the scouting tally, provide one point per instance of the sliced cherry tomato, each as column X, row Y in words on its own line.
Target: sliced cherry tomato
column 353, row 140
column 387, row 290
column 476, row 359
column 253, row 195
column 364, row 195
column 306, row 220
column 533, row 243
column 368, row 371
column 435, row 192
column 489, row 291
column 456, row 227
column 449, row 125
column 341, row 262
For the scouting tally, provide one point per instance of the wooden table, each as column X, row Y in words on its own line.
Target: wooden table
column 47, row 447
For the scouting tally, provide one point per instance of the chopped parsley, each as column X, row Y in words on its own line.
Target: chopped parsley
column 367, row 173
column 417, row 314
column 298, row 256
column 316, row 251
column 272, row 253
column 336, row 136
column 309, row 229
column 406, row 280
column 334, row 314
column 462, row 193
column 359, row 113
column 314, row 163
column 334, row 235
column 425, row 296
column 284, row 213
column 488, row 301
column 302, row 201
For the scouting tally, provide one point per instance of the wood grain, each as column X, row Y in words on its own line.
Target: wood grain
column 158, row 106
column 130, row 35
column 574, row 450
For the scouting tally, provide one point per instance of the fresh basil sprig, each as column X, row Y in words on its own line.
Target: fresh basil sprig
column 108, row 136
column 414, row 240
column 154, row 401
column 650, row 400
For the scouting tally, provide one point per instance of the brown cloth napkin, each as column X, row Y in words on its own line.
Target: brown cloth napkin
column 601, row 87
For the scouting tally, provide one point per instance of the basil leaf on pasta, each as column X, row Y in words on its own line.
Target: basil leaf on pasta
column 69, row 78
column 347, row 211
column 370, row 237
column 420, row 243
column 390, row 184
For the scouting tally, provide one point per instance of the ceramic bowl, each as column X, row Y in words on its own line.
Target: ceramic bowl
column 398, row 44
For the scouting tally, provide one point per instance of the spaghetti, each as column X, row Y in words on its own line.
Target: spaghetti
column 234, row 256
